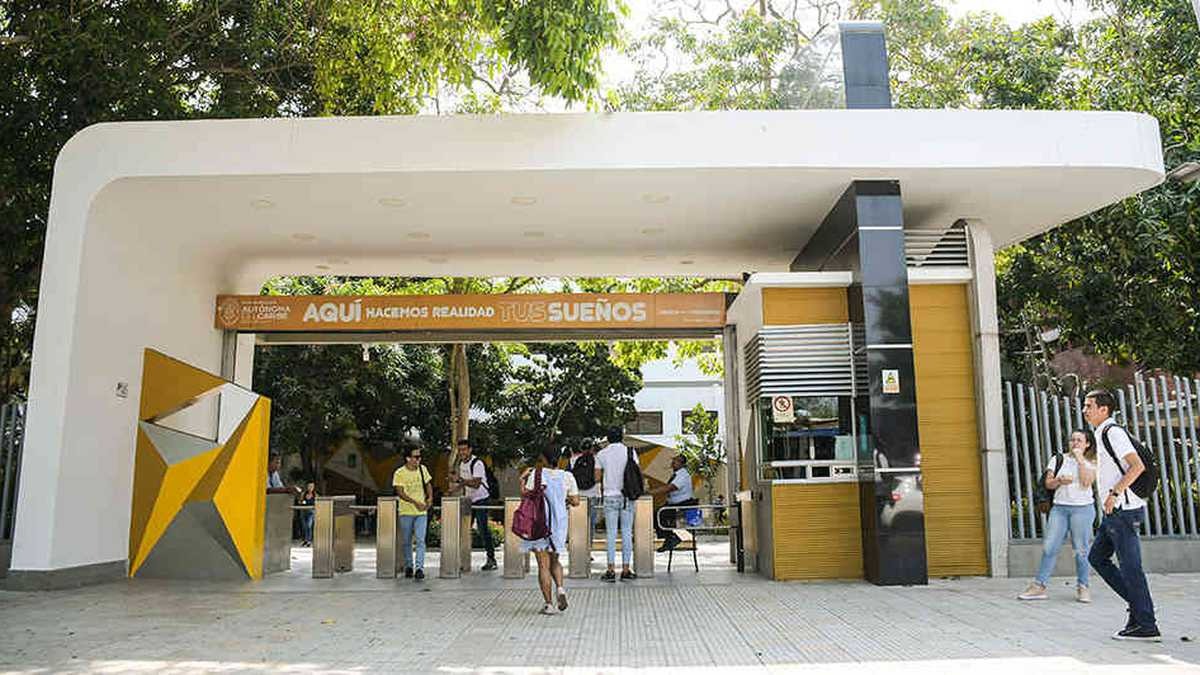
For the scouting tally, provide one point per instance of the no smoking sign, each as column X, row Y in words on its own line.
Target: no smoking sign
column 781, row 409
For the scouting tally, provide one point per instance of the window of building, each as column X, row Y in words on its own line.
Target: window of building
column 683, row 417
column 351, row 460
column 817, row 444
column 648, row 422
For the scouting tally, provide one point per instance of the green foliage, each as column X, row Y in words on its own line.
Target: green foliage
column 559, row 395
column 748, row 55
column 321, row 393
column 701, row 445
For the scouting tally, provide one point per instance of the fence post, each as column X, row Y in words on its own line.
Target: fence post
column 1015, row 485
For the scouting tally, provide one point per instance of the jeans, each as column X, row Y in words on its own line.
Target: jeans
column 306, row 524
column 619, row 510
column 481, row 523
column 1078, row 521
column 413, row 526
column 1119, row 534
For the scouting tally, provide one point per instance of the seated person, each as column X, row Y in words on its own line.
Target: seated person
column 679, row 493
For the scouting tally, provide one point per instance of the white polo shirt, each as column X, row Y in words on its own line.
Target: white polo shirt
column 1109, row 473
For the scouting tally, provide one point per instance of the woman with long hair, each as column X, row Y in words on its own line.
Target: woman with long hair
column 1071, row 476
column 560, row 490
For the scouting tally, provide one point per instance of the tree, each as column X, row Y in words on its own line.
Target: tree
column 321, row 393
column 559, row 395
column 701, row 446
column 69, row 65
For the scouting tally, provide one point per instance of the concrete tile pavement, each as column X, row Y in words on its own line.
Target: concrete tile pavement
column 683, row 623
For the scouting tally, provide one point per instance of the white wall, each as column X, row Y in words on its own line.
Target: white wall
column 133, row 290
column 671, row 390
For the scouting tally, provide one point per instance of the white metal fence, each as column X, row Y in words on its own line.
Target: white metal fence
column 12, row 431
column 1163, row 413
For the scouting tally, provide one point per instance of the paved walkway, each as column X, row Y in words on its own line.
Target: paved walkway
column 682, row 623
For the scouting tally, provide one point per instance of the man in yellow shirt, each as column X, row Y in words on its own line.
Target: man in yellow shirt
column 413, row 487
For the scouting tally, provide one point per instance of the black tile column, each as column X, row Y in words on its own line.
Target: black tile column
column 864, row 233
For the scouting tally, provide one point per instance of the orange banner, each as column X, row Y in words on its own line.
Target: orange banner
column 324, row 313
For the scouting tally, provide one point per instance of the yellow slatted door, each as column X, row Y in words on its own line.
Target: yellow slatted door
column 818, row 531
column 955, row 530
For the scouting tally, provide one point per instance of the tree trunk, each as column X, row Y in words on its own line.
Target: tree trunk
column 463, row 387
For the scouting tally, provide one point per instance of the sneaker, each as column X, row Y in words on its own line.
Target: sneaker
column 562, row 600
column 1140, row 634
column 628, row 575
column 419, row 575
column 1034, row 592
column 1129, row 624
column 408, row 572
column 1082, row 594
column 548, row 609
column 489, row 565
column 609, row 576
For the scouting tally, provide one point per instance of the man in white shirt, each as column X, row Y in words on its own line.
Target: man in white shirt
column 610, row 471
column 679, row 493
column 1124, row 513
column 472, row 477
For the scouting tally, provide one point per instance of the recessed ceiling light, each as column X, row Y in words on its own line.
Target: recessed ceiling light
column 304, row 236
column 337, row 261
column 687, row 262
column 543, row 258
column 653, row 198
column 653, row 231
column 323, row 268
column 437, row 259
column 533, row 234
column 648, row 258
column 393, row 202
column 262, row 203
column 419, row 235
column 523, row 201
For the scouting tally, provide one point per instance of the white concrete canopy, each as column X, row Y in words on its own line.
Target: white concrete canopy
column 150, row 221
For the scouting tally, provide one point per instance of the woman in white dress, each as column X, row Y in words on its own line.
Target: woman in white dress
column 561, row 489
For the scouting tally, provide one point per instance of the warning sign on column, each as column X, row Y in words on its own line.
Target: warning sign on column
column 781, row 410
column 891, row 381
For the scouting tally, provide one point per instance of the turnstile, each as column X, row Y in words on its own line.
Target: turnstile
column 388, row 557
column 456, row 538
column 333, row 536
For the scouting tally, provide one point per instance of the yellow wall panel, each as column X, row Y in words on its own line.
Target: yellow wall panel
column 240, row 498
column 169, row 385
column 790, row 306
column 818, row 531
column 177, row 485
column 955, row 529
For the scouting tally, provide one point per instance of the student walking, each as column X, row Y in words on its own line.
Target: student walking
column 414, row 488
column 618, row 510
column 1118, row 467
column 582, row 466
column 308, row 498
column 1071, row 477
column 560, row 490
column 472, row 476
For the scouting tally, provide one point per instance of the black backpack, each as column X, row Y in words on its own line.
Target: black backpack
column 493, row 485
column 632, row 484
column 584, row 471
column 1147, row 483
column 1043, row 497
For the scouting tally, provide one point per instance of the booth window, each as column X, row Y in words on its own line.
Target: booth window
column 646, row 423
column 816, row 445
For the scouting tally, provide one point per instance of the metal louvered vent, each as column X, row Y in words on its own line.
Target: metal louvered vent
column 801, row 361
column 937, row 248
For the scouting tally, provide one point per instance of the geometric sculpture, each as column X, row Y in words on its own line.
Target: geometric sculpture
column 199, row 503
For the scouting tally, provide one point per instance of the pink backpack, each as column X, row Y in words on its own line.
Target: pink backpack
column 530, row 521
